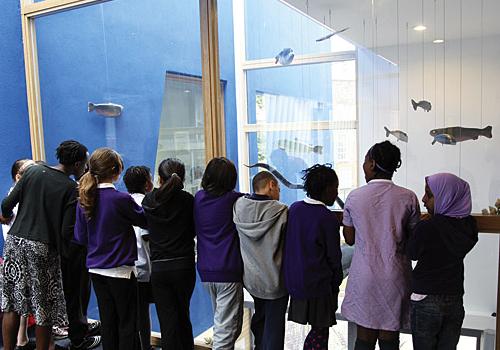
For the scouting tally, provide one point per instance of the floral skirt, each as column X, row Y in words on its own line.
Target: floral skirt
column 32, row 281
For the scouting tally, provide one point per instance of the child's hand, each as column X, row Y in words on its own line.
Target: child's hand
column 5, row 221
column 425, row 216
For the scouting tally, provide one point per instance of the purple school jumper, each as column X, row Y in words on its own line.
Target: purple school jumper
column 109, row 236
column 377, row 295
column 219, row 256
column 312, row 257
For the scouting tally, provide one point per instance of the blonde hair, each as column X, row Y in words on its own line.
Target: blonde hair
column 104, row 164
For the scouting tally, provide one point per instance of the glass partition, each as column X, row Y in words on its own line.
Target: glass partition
column 127, row 75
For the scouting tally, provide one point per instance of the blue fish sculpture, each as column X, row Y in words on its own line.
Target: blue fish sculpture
column 285, row 57
column 106, row 109
column 444, row 139
column 425, row 105
column 326, row 37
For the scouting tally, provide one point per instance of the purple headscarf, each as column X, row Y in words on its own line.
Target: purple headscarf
column 451, row 195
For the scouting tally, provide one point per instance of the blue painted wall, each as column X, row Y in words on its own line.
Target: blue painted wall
column 14, row 130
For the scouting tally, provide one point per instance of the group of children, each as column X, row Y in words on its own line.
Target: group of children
column 141, row 247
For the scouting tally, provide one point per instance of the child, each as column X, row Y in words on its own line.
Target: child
column 32, row 270
column 138, row 182
column 440, row 245
column 17, row 170
column 379, row 217
column 312, row 259
column 104, row 223
column 219, row 258
column 169, row 212
column 261, row 223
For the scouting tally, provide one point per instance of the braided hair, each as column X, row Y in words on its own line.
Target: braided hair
column 387, row 157
column 69, row 152
column 317, row 179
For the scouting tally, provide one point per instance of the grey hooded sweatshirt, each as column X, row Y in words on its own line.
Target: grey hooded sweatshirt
column 261, row 226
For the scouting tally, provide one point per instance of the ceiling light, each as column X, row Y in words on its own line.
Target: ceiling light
column 419, row 28
column 438, row 41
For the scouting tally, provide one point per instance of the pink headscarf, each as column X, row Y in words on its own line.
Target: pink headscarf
column 452, row 195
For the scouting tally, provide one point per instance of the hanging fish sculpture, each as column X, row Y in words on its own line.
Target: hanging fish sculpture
column 444, row 139
column 284, row 181
column 425, row 105
column 106, row 109
column 460, row 134
column 398, row 134
column 326, row 37
column 285, row 57
column 297, row 146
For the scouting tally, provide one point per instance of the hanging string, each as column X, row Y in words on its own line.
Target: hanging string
column 444, row 63
column 435, row 63
column 373, row 70
column 423, row 54
column 407, row 89
column 330, row 15
column 460, row 84
column 482, row 53
column 399, row 64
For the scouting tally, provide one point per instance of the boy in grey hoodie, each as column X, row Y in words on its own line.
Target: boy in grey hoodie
column 261, row 223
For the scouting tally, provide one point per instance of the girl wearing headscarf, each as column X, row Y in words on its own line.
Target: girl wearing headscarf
column 440, row 244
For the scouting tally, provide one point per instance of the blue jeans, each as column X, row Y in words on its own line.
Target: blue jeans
column 436, row 322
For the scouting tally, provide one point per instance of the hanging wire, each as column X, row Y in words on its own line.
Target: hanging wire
column 482, row 53
column 435, row 63
column 399, row 64
column 330, row 15
column 444, row 63
column 407, row 90
column 423, row 54
column 374, row 21
column 460, row 84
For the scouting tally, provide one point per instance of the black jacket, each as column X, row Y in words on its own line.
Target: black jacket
column 171, row 230
column 440, row 245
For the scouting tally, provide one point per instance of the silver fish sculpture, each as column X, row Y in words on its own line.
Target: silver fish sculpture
column 285, row 182
column 326, row 37
column 460, row 134
column 398, row 134
column 296, row 146
column 425, row 105
column 444, row 139
column 285, row 57
column 106, row 109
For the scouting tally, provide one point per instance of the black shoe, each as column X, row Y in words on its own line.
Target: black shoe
column 28, row 346
column 93, row 328
column 88, row 343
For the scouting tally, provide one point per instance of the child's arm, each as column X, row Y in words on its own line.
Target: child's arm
column 80, row 234
column 10, row 202
column 134, row 213
column 333, row 252
column 417, row 241
column 349, row 234
column 348, row 231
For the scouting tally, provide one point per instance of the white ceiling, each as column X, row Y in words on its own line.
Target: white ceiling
column 374, row 23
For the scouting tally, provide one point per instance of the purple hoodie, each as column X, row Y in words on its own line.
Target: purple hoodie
column 219, row 257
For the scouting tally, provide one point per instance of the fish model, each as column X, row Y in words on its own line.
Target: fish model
column 285, row 57
column 296, row 146
column 460, row 134
column 326, row 37
column 444, row 139
column 106, row 109
column 398, row 134
column 285, row 182
column 425, row 105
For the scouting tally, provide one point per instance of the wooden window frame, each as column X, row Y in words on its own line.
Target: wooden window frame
column 215, row 143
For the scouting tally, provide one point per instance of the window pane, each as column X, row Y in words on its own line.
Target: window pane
column 272, row 25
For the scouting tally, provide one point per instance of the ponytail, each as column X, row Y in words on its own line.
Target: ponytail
column 88, row 193
column 104, row 164
column 172, row 173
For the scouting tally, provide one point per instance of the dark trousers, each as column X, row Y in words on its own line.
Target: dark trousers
column 172, row 291
column 436, row 322
column 144, row 298
column 117, row 302
column 268, row 323
column 76, row 286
